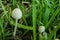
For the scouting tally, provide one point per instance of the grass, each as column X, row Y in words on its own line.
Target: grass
column 35, row 14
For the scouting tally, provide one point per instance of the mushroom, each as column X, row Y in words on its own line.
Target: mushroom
column 41, row 29
column 56, row 39
column 16, row 14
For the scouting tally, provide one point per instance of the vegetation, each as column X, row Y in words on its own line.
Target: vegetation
column 35, row 13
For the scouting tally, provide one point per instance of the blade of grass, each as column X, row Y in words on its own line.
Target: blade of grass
column 53, row 17
column 24, row 17
column 46, row 15
column 1, row 23
column 14, row 3
column 5, row 12
column 2, row 28
column 23, row 10
column 34, row 18
column 21, row 26
column 51, row 34
column 59, row 2
column 40, row 12
column 54, row 34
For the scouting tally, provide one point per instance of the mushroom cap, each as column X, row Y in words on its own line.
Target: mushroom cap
column 41, row 29
column 16, row 13
column 57, row 39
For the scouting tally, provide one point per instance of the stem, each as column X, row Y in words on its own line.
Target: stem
column 54, row 34
column 15, row 28
column 34, row 19
column 40, row 37
column 42, row 3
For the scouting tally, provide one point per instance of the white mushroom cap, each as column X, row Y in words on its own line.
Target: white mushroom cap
column 16, row 13
column 41, row 29
column 55, row 26
column 57, row 39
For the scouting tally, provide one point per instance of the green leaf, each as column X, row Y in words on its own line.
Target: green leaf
column 46, row 15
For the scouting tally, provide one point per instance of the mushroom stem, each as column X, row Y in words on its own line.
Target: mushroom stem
column 15, row 28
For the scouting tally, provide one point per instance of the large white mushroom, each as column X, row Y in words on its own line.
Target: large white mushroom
column 16, row 14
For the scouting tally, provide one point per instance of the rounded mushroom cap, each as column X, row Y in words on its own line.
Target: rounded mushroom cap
column 57, row 39
column 41, row 29
column 16, row 13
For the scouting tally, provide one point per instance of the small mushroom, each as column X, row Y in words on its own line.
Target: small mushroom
column 56, row 39
column 16, row 14
column 41, row 29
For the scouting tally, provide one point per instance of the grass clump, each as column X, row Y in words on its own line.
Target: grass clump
column 35, row 13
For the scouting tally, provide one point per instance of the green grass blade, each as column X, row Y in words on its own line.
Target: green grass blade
column 46, row 15
column 51, row 34
column 21, row 26
column 34, row 18
column 53, row 17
